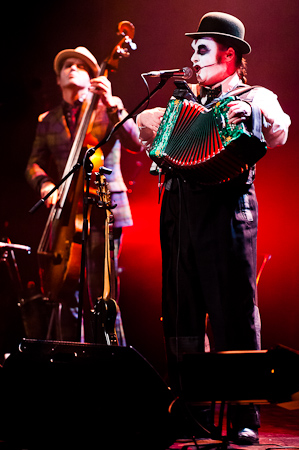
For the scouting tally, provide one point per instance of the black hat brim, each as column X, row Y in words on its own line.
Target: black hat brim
column 240, row 44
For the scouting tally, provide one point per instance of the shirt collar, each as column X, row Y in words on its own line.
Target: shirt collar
column 229, row 83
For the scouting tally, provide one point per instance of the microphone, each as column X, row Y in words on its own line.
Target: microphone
column 185, row 73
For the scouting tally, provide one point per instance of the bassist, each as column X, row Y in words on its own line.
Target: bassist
column 77, row 74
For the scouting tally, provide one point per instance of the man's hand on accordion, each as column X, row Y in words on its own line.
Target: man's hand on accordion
column 239, row 111
column 150, row 118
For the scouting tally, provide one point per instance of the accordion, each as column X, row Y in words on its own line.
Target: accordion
column 200, row 144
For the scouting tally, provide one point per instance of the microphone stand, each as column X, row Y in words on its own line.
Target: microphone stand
column 87, row 167
column 87, row 200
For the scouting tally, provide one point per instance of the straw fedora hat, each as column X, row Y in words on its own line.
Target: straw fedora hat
column 79, row 52
column 223, row 25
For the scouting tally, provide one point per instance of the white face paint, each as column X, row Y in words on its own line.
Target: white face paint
column 209, row 62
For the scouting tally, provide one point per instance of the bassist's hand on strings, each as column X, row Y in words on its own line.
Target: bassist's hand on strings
column 102, row 86
column 45, row 189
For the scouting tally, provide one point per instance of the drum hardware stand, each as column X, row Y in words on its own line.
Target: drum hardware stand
column 55, row 320
column 55, row 315
column 8, row 252
column 87, row 167
column 7, row 256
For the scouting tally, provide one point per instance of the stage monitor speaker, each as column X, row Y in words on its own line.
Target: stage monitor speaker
column 60, row 395
column 270, row 376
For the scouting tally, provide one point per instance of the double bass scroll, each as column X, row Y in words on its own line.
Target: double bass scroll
column 126, row 33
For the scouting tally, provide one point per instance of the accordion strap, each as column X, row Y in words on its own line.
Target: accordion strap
column 256, row 115
column 235, row 92
column 185, row 91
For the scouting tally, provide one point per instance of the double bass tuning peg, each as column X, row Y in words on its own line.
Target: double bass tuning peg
column 122, row 52
column 132, row 44
column 127, row 29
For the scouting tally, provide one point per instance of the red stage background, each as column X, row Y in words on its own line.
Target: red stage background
column 37, row 31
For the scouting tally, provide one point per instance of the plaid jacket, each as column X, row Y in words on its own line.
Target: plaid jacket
column 53, row 142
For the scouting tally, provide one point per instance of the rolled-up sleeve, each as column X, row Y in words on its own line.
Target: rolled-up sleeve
column 276, row 122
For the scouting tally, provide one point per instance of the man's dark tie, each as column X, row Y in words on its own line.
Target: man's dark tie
column 71, row 115
column 211, row 94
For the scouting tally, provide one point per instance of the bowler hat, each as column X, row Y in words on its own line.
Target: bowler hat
column 79, row 52
column 223, row 25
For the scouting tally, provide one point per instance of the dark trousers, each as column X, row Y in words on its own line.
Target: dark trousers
column 208, row 241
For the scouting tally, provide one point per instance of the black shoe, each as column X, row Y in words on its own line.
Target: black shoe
column 246, row 436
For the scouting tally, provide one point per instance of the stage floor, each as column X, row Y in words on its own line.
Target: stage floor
column 279, row 429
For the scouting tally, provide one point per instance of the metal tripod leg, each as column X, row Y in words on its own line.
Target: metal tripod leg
column 55, row 321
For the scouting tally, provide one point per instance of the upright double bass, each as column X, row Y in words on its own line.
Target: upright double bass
column 59, row 250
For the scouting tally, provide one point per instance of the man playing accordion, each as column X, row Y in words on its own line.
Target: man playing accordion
column 209, row 232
